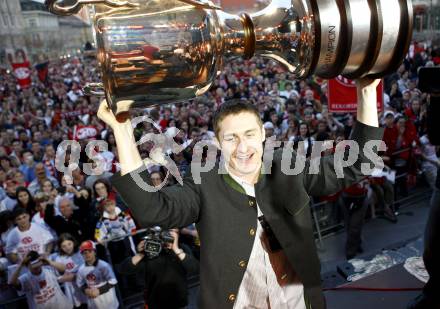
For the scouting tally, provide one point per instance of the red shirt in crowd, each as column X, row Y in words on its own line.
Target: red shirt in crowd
column 391, row 135
column 410, row 114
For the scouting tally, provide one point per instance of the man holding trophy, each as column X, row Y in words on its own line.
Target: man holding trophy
column 257, row 244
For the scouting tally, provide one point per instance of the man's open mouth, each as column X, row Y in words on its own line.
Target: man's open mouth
column 244, row 158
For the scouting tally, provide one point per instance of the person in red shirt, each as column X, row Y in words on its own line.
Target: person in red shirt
column 389, row 135
column 414, row 114
column 165, row 118
column 400, row 141
column 398, row 134
column 413, row 111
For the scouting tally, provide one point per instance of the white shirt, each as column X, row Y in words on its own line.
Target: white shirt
column 72, row 262
column 7, row 204
column 43, row 290
column 259, row 287
column 96, row 276
column 34, row 239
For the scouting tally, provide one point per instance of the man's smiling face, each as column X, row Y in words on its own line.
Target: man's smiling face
column 241, row 138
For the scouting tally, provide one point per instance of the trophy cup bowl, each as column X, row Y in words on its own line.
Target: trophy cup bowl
column 154, row 52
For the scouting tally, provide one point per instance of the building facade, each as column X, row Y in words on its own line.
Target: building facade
column 427, row 20
column 12, row 28
column 29, row 26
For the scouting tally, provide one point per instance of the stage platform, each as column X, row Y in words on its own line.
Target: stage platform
column 393, row 278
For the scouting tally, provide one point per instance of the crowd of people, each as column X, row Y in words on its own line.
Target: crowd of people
column 56, row 229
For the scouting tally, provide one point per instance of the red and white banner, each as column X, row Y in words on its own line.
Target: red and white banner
column 342, row 96
column 22, row 72
column 84, row 132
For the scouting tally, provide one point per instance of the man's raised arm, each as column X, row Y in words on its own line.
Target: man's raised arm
column 335, row 174
column 174, row 206
column 367, row 101
column 129, row 157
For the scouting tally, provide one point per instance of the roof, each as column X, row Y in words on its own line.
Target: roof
column 32, row 5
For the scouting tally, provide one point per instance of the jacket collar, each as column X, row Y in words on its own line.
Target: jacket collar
column 231, row 182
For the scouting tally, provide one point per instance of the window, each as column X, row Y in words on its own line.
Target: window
column 5, row 20
column 32, row 22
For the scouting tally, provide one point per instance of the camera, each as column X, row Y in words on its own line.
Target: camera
column 155, row 241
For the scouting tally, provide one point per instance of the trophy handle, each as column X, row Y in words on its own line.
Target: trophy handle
column 94, row 89
column 203, row 5
column 55, row 8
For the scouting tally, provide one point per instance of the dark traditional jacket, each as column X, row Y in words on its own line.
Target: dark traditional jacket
column 226, row 219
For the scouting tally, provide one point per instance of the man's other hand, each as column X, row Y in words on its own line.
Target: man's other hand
column 367, row 83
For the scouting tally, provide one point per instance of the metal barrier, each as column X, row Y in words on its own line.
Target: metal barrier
column 318, row 231
column 315, row 218
column 400, row 151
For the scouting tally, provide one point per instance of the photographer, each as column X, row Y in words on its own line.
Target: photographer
column 165, row 275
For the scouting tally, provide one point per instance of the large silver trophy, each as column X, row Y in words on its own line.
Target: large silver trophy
column 160, row 51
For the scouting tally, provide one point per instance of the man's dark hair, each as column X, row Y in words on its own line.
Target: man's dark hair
column 234, row 107
column 5, row 158
column 18, row 211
